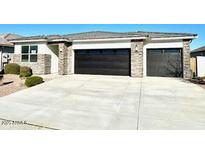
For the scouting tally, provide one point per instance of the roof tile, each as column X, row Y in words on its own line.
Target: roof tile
column 105, row 34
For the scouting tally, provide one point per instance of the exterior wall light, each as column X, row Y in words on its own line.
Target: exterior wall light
column 136, row 48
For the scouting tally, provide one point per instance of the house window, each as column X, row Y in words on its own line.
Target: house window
column 29, row 53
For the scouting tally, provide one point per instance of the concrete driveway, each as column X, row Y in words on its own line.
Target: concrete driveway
column 107, row 102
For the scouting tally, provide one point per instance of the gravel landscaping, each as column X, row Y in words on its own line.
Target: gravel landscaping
column 203, row 86
column 14, row 84
column 199, row 81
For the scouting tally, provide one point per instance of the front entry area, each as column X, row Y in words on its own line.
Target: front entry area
column 164, row 62
column 103, row 61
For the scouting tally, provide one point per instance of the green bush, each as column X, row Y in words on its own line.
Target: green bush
column 25, row 71
column 12, row 68
column 33, row 80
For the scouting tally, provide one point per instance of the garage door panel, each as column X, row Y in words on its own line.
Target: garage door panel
column 103, row 58
column 164, row 62
column 100, row 70
column 105, row 61
column 111, row 65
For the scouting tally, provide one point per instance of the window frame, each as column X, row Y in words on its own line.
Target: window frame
column 24, row 54
column 29, row 54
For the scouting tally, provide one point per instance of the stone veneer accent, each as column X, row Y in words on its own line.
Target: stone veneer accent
column 186, row 59
column 42, row 66
column 137, row 58
column 65, row 59
column 70, row 59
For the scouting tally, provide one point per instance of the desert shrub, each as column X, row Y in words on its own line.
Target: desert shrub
column 25, row 71
column 12, row 68
column 33, row 80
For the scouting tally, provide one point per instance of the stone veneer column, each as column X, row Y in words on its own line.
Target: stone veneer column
column 186, row 59
column 63, row 59
column 44, row 64
column 137, row 58
column 70, row 59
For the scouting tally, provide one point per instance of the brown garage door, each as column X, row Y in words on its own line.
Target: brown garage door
column 103, row 61
column 164, row 62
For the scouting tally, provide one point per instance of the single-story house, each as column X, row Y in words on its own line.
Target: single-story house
column 6, row 48
column 134, row 54
column 198, row 52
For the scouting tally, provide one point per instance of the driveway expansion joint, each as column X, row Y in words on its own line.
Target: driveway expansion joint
column 139, row 100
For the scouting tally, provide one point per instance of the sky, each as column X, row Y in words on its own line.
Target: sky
column 45, row 29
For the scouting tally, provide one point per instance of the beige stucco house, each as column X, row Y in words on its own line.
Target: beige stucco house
column 134, row 54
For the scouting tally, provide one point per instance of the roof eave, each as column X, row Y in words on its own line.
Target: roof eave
column 103, row 39
column 26, row 41
column 110, row 39
column 59, row 40
column 175, row 38
column 40, row 40
column 6, row 45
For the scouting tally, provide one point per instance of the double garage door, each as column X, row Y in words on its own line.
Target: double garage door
column 160, row 62
column 103, row 61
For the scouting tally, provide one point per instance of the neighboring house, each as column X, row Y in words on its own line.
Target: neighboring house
column 198, row 52
column 135, row 54
column 198, row 62
column 6, row 48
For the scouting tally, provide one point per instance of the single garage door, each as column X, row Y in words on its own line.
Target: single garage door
column 164, row 62
column 103, row 61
